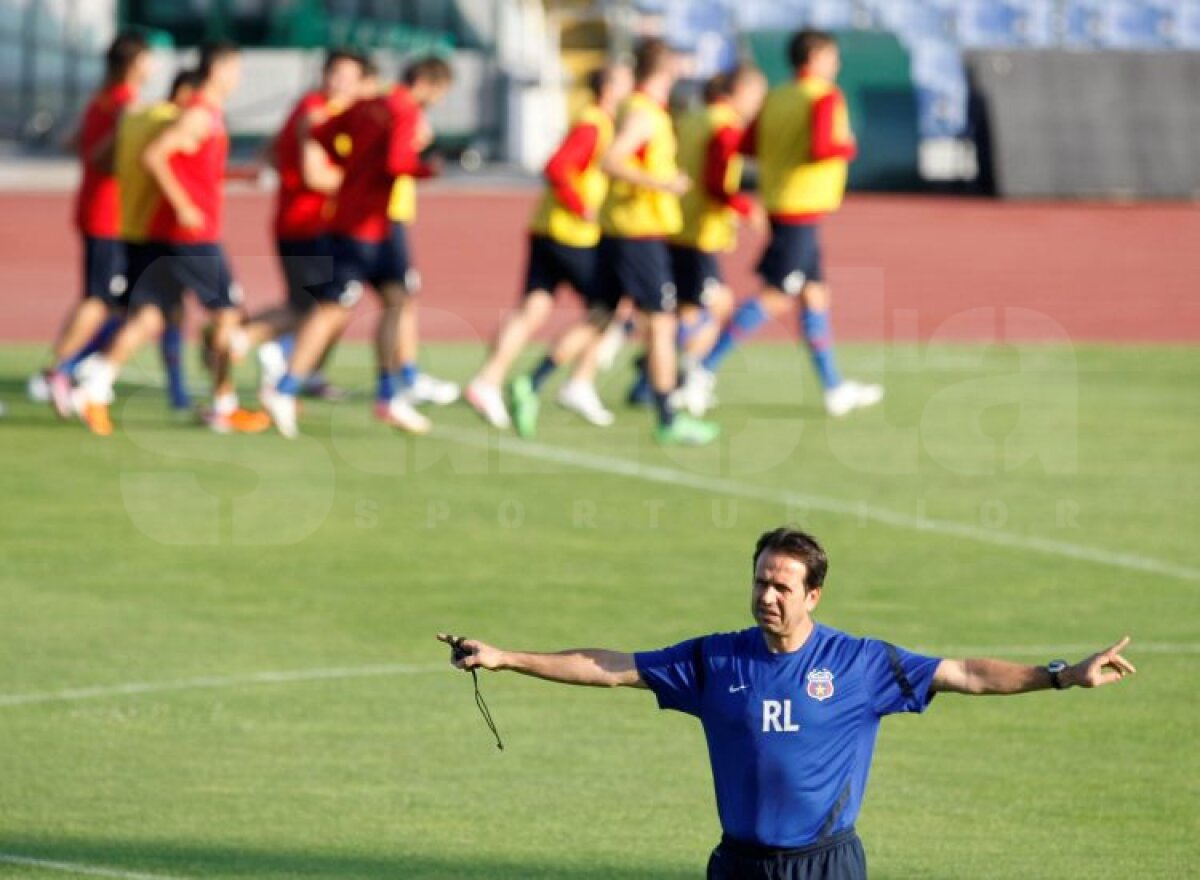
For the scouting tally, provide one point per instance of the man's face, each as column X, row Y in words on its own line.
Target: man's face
column 748, row 96
column 429, row 92
column 343, row 80
column 227, row 73
column 620, row 84
column 143, row 67
column 827, row 61
column 778, row 600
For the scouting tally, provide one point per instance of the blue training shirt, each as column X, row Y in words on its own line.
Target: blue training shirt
column 790, row 736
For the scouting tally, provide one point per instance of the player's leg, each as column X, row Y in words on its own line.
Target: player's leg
column 204, row 269
column 93, row 322
column 95, row 393
column 645, row 268
column 581, row 346
column 396, row 269
column 392, row 405
column 552, row 265
column 543, row 275
column 171, row 350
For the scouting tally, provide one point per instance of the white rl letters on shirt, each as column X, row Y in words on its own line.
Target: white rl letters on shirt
column 777, row 717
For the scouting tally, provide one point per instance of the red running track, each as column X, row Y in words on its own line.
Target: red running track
column 902, row 268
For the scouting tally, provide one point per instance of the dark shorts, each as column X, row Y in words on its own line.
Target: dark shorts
column 357, row 263
column 635, row 267
column 104, row 275
column 792, row 258
column 307, row 267
column 839, row 857
column 552, row 263
column 159, row 273
column 696, row 274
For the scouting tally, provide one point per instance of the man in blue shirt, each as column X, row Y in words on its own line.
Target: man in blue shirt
column 790, row 710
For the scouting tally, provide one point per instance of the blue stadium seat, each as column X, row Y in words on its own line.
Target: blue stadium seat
column 707, row 29
column 941, row 85
column 1187, row 25
column 1140, row 24
column 1006, row 23
column 757, row 15
column 1084, row 24
column 914, row 20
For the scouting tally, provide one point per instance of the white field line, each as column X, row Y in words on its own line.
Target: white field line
column 861, row 510
column 76, row 868
column 217, row 682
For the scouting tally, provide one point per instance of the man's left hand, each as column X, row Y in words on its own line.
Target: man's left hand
column 1104, row 667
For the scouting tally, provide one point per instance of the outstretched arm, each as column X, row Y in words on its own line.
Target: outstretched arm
column 983, row 676
column 591, row 667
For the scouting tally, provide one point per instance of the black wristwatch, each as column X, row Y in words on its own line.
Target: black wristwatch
column 1056, row 668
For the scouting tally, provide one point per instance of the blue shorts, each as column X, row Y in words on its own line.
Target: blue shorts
column 159, row 273
column 837, row 857
column 552, row 263
column 104, row 275
column 639, row 268
column 696, row 274
column 792, row 258
column 307, row 266
column 357, row 263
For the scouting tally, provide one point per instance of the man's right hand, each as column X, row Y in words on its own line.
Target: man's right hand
column 678, row 185
column 479, row 655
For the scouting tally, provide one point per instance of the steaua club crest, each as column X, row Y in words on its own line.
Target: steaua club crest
column 820, row 684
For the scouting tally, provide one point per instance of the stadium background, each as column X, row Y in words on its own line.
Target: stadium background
column 264, row 704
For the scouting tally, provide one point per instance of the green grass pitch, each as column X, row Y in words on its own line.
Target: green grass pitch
column 1004, row 499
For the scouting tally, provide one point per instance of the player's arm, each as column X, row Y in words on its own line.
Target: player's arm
column 319, row 166
column 826, row 143
column 636, row 129
column 591, row 667
column 410, row 134
column 573, row 155
column 984, row 676
column 183, row 136
column 720, row 185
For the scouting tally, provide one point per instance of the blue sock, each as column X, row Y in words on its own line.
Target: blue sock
column 408, row 374
column 99, row 341
column 171, row 348
column 688, row 329
column 817, row 334
column 287, row 344
column 385, row 388
column 542, row 372
column 749, row 316
column 666, row 415
column 289, row 385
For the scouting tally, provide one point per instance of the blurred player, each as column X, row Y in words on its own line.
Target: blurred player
column 804, row 146
column 641, row 211
column 710, row 141
column 139, row 198
column 386, row 134
column 562, row 249
column 187, row 161
column 416, row 386
column 92, row 322
column 308, row 180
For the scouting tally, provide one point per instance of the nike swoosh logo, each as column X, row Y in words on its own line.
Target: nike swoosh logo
column 733, row 689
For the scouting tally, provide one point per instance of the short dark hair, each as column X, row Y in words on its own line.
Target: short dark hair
column 597, row 80
column 122, row 53
column 800, row 546
column 649, row 57
column 805, row 43
column 211, row 53
column 431, row 68
column 341, row 53
column 185, row 79
column 722, row 85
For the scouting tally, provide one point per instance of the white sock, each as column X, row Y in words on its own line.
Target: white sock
column 99, row 383
column 224, row 404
